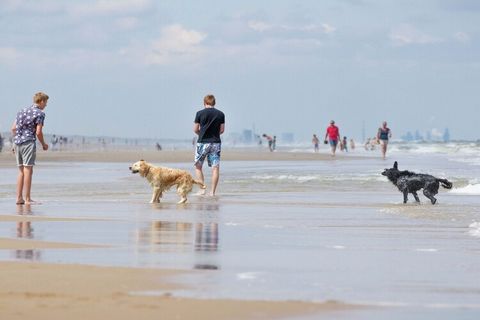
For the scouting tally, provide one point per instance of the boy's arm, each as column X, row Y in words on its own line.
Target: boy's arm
column 196, row 128
column 222, row 128
column 14, row 128
column 39, row 133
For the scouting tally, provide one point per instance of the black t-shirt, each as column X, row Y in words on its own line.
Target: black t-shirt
column 210, row 120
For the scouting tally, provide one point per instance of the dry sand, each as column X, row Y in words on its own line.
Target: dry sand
column 50, row 291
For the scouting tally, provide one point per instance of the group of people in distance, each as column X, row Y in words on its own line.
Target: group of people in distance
column 332, row 137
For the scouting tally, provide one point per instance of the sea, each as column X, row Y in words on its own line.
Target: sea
column 326, row 230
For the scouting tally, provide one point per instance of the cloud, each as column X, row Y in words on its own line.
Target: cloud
column 176, row 44
column 9, row 56
column 327, row 29
column 110, row 7
column 126, row 23
column 461, row 37
column 261, row 26
column 407, row 35
column 38, row 7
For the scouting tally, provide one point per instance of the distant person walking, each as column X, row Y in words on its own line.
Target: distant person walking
column 1, row 142
column 345, row 144
column 352, row 144
column 333, row 135
column 270, row 141
column 209, row 124
column 26, row 128
column 383, row 135
column 315, row 142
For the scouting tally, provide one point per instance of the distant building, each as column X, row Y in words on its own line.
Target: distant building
column 247, row 136
column 446, row 135
column 418, row 136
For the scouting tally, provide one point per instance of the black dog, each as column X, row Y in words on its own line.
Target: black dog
column 410, row 182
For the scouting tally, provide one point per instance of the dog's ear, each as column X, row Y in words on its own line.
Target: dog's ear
column 395, row 165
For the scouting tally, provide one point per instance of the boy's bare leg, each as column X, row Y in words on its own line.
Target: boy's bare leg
column 20, row 179
column 27, row 183
column 199, row 175
column 215, row 176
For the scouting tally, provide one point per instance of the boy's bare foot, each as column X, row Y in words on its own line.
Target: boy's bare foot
column 32, row 202
column 20, row 202
column 200, row 192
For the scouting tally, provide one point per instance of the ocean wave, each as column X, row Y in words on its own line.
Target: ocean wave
column 317, row 178
column 474, row 229
column 470, row 189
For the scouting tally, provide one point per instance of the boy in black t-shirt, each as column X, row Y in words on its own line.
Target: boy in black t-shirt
column 209, row 124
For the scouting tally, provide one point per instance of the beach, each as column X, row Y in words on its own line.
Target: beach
column 291, row 235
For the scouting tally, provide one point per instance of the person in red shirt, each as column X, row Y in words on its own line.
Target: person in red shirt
column 333, row 135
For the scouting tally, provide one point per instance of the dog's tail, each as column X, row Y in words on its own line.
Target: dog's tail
column 445, row 183
column 200, row 184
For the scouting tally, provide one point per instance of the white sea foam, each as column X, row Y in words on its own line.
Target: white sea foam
column 471, row 189
column 474, row 229
column 247, row 275
column 310, row 178
column 426, row 250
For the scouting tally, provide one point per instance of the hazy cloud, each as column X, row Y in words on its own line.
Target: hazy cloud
column 261, row 26
column 176, row 44
column 461, row 37
column 407, row 35
column 110, row 7
column 9, row 56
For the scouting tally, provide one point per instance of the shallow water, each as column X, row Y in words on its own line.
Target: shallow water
column 304, row 230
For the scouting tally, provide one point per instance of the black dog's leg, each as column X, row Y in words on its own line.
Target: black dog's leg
column 405, row 196
column 429, row 195
column 416, row 196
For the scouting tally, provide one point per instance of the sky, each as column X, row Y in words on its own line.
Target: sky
column 140, row 68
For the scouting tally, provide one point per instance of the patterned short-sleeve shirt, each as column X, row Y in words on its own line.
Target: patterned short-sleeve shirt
column 26, row 124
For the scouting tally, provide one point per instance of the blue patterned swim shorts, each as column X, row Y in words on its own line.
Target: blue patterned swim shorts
column 211, row 151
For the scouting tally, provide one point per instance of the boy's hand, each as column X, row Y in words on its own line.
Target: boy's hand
column 45, row 146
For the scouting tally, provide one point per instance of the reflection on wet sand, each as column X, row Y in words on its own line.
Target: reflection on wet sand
column 25, row 231
column 168, row 236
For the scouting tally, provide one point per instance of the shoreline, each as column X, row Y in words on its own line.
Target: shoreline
column 171, row 156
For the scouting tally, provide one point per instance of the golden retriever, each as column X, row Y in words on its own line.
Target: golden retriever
column 163, row 179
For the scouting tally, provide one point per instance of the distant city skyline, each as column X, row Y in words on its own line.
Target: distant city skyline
column 140, row 68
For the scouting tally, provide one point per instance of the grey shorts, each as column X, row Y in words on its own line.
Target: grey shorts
column 25, row 153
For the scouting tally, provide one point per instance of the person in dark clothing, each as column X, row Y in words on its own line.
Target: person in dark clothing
column 209, row 124
column 383, row 135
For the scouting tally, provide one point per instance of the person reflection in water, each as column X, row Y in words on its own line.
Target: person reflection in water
column 25, row 231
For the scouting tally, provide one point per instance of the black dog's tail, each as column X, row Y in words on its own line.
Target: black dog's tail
column 445, row 183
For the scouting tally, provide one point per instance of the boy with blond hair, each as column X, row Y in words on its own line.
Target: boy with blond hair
column 209, row 124
column 26, row 128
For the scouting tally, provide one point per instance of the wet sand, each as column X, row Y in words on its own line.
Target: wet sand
column 51, row 291
column 133, row 155
column 36, row 290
